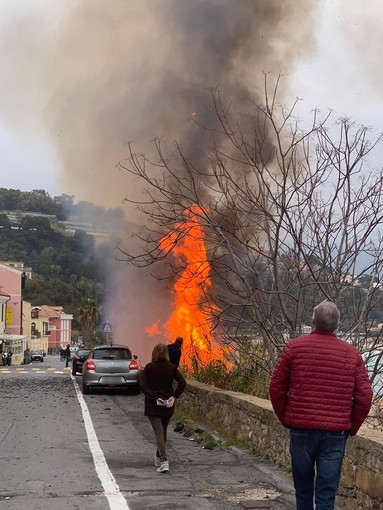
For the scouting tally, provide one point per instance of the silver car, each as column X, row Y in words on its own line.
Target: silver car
column 111, row 366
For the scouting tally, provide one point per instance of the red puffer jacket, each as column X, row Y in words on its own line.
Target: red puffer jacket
column 321, row 382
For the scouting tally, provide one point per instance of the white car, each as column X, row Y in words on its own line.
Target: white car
column 37, row 355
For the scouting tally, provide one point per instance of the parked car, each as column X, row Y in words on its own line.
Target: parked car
column 37, row 355
column 78, row 359
column 111, row 366
column 73, row 349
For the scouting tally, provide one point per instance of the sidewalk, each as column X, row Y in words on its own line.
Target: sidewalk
column 232, row 474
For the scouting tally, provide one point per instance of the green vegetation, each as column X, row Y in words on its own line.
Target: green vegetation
column 243, row 373
column 87, row 316
column 37, row 200
column 65, row 267
column 245, row 379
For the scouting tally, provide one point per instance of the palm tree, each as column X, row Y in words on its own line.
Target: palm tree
column 87, row 316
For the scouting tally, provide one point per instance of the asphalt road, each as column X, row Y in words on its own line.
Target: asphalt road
column 59, row 450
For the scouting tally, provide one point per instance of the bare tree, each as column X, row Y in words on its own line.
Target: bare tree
column 290, row 216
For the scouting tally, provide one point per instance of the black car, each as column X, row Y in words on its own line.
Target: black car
column 37, row 355
column 78, row 360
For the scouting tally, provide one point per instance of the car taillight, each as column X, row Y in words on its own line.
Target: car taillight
column 133, row 365
column 90, row 364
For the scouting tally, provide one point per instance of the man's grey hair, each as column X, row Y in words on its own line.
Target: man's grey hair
column 326, row 317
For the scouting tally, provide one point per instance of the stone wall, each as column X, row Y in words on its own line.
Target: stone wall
column 252, row 420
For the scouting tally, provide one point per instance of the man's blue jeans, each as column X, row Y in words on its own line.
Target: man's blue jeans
column 316, row 457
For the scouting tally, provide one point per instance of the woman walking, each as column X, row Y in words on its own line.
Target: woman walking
column 157, row 386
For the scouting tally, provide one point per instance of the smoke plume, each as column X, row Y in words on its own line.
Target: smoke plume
column 111, row 73
column 107, row 73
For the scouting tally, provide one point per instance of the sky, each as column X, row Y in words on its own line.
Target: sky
column 25, row 163
column 344, row 73
column 85, row 77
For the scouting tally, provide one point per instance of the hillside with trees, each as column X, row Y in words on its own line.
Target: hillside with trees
column 65, row 268
column 37, row 200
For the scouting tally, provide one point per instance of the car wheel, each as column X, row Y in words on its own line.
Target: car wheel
column 136, row 389
column 85, row 389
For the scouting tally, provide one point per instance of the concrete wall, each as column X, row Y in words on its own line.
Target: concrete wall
column 253, row 420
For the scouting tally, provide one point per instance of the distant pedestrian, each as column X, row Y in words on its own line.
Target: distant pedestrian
column 62, row 354
column 160, row 396
column 320, row 390
column 27, row 356
column 175, row 351
column 67, row 355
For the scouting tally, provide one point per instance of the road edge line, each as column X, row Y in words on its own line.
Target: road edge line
column 111, row 490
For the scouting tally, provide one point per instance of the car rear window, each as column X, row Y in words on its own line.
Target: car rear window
column 112, row 354
column 83, row 352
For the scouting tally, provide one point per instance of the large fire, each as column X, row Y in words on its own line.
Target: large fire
column 190, row 289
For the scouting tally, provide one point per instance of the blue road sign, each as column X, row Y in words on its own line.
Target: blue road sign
column 106, row 327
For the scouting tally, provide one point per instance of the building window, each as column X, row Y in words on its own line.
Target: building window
column 33, row 328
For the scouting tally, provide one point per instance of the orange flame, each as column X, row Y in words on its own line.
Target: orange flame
column 153, row 329
column 192, row 285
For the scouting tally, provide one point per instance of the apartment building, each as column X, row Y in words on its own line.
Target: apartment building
column 11, row 336
column 23, row 325
column 52, row 326
column 4, row 298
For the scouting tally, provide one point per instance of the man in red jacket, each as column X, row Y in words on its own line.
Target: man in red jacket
column 320, row 390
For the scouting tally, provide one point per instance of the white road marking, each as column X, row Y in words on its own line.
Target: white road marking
column 33, row 371
column 111, row 490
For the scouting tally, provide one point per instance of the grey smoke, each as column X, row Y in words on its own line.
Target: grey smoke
column 107, row 73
